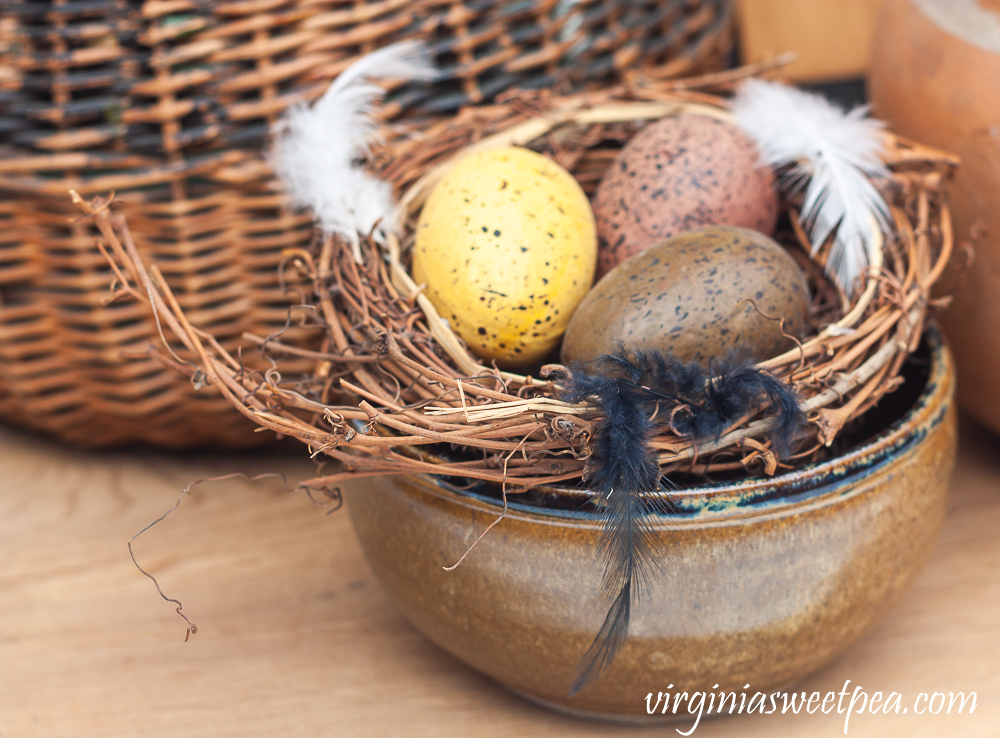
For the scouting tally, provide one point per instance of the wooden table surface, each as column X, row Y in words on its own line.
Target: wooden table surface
column 297, row 639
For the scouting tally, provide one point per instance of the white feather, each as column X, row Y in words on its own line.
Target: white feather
column 319, row 150
column 835, row 160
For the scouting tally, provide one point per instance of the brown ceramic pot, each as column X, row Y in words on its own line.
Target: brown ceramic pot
column 763, row 581
column 935, row 77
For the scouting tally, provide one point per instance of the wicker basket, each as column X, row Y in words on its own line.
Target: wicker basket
column 406, row 382
column 168, row 104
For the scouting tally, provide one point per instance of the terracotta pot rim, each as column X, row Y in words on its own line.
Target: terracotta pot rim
column 811, row 485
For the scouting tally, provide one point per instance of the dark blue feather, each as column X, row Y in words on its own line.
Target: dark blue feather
column 623, row 472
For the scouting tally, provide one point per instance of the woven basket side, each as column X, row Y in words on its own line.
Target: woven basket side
column 168, row 103
column 61, row 344
column 169, row 77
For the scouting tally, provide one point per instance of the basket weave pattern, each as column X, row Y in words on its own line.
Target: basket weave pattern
column 406, row 382
column 168, row 104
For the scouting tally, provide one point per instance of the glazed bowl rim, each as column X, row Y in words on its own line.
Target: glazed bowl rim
column 832, row 476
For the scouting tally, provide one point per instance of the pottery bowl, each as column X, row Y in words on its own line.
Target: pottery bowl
column 763, row 581
column 934, row 78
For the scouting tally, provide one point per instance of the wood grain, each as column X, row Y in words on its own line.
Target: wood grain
column 297, row 639
column 832, row 38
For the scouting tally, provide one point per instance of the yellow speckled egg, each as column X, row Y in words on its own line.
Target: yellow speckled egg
column 507, row 247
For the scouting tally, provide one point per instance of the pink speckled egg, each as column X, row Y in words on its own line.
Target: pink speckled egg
column 682, row 172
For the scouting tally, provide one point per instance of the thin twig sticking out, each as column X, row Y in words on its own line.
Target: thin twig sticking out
column 192, row 629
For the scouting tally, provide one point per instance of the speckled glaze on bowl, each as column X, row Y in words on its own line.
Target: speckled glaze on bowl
column 764, row 581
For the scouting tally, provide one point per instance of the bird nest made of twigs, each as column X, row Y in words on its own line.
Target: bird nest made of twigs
column 394, row 390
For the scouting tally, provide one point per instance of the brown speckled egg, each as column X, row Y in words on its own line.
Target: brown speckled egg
column 682, row 172
column 682, row 297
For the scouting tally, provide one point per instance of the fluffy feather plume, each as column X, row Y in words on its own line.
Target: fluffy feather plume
column 699, row 402
column 624, row 467
column 318, row 149
column 702, row 402
column 833, row 157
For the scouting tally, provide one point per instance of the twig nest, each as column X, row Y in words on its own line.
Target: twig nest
column 402, row 370
column 682, row 172
column 507, row 247
column 698, row 295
